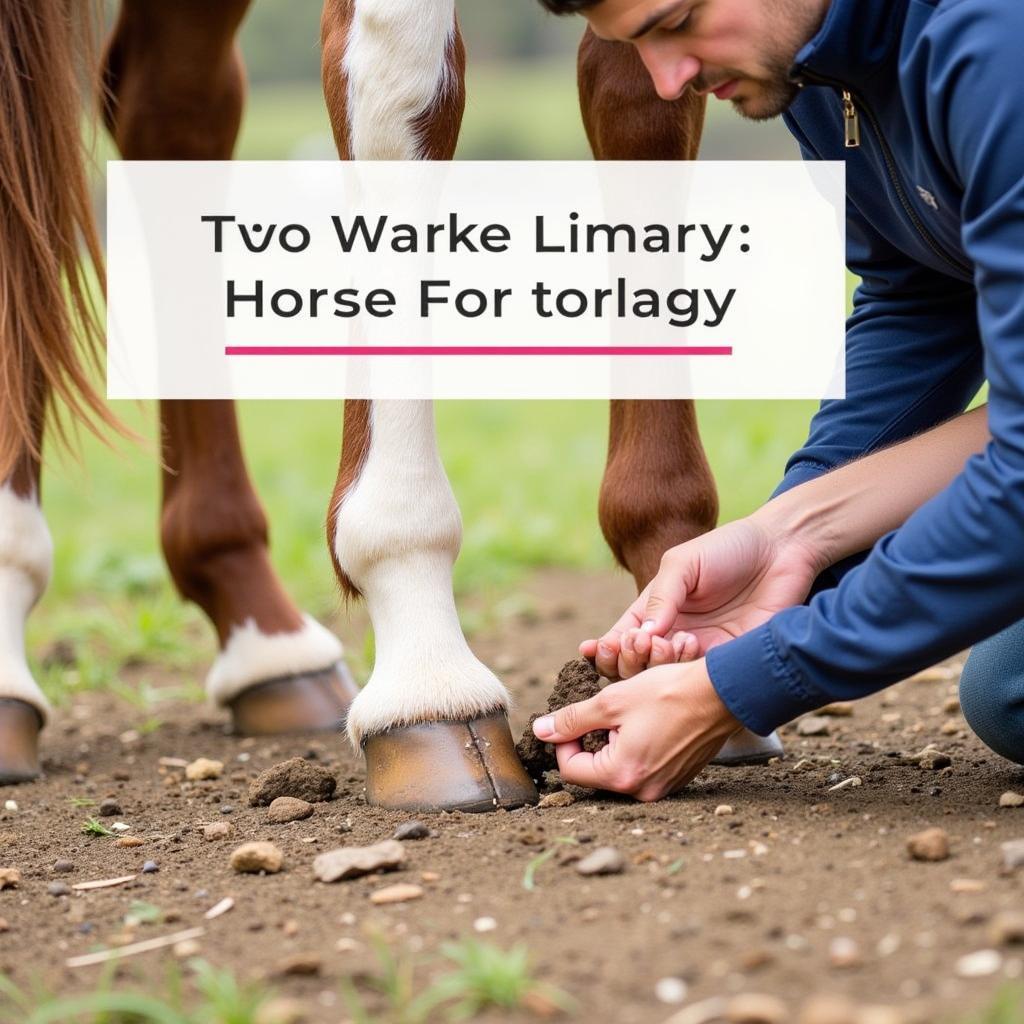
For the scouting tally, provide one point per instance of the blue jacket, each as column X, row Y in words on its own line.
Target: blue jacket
column 935, row 209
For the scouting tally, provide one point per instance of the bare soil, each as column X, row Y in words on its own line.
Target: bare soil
column 750, row 901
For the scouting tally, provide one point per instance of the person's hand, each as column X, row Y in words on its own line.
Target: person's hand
column 664, row 726
column 707, row 591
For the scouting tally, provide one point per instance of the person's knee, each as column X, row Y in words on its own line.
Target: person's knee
column 992, row 692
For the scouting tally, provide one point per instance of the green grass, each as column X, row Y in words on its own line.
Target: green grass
column 95, row 827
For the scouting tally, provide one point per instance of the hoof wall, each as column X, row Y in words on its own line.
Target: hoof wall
column 313, row 702
column 447, row 766
column 19, row 742
column 748, row 748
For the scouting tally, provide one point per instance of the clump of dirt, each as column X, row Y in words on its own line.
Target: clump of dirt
column 578, row 680
column 295, row 777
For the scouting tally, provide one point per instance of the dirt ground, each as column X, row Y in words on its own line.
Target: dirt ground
column 799, row 890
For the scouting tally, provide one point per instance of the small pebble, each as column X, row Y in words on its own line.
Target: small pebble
column 109, row 808
column 813, row 725
column 149, row 867
column 204, row 768
column 120, row 826
column 1011, row 799
column 217, row 830
column 723, row 810
column 484, row 924
column 258, row 856
column 400, row 893
column 226, row 809
column 982, row 964
column 9, row 878
column 967, row 885
column 930, row 845
column 844, row 952
column 186, row 948
column 353, row 861
column 670, row 990
column 63, row 866
column 11, row 805
column 128, row 841
column 411, row 830
column 560, row 798
column 605, row 860
column 1013, row 854
column 288, row 808
column 57, row 889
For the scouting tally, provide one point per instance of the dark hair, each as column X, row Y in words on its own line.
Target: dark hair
column 568, row 6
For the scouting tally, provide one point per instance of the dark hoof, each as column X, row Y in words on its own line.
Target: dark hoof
column 19, row 742
column 748, row 748
column 314, row 702
column 447, row 766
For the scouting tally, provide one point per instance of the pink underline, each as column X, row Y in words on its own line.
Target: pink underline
column 478, row 350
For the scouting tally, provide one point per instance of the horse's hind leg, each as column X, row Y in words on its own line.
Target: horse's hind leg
column 657, row 490
column 431, row 719
column 176, row 88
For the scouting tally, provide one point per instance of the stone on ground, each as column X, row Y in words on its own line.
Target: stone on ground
column 250, row 858
column 288, row 808
column 605, row 860
column 297, row 778
column 930, row 845
column 353, row 861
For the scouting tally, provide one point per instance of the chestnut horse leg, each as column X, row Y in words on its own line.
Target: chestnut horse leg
column 26, row 559
column 431, row 720
column 176, row 88
column 657, row 490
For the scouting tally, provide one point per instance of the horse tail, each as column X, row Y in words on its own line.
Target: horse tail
column 51, row 265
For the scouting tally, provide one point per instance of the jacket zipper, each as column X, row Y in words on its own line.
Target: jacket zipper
column 851, row 121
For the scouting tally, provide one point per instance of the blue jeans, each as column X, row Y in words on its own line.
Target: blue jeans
column 992, row 692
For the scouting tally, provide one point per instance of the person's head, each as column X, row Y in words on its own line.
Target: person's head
column 741, row 49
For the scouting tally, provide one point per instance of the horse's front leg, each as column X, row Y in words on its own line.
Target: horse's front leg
column 175, row 90
column 432, row 719
column 26, row 560
column 657, row 490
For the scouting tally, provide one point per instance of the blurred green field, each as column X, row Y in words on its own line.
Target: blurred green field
column 526, row 474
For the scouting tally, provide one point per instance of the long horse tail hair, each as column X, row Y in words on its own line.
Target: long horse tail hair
column 51, row 264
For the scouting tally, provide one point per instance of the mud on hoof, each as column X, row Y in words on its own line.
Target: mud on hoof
column 308, row 702
column 447, row 766
column 748, row 748
column 19, row 741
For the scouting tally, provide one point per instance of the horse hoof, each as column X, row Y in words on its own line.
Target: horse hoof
column 19, row 741
column 748, row 748
column 311, row 702
column 447, row 766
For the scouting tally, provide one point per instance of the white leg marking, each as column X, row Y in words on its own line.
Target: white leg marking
column 26, row 561
column 251, row 656
column 395, row 63
column 397, row 538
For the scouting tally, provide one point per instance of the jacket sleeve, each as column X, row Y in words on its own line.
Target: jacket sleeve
column 953, row 574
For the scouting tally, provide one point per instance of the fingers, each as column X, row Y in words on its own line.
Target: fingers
column 666, row 595
column 574, row 721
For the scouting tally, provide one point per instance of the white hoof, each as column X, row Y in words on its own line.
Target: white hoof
column 747, row 747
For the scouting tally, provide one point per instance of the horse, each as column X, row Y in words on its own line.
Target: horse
column 432, row 719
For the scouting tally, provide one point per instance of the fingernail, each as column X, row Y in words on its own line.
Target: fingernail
column 648, row 625
column 544, row 727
